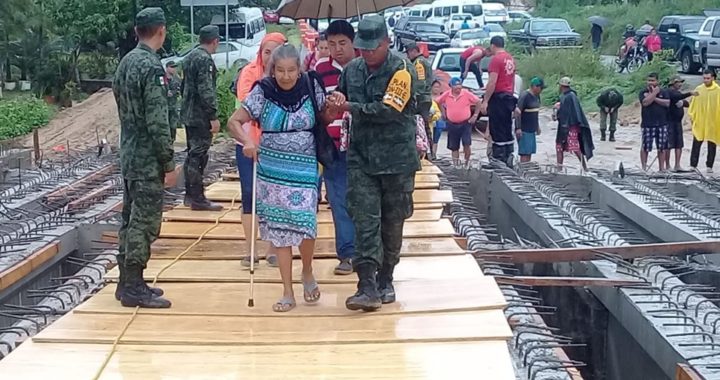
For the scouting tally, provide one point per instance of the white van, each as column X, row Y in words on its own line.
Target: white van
column 443, row 10
column 495, row 13
column 246, row 26
column 420, row 10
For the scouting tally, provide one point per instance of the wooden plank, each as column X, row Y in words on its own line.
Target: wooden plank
column 325, row 207
column 564, row 281
column 356, row 329
column 234, row 186
column 686, row 372
column 234, row 231
column 391, row 361
column 555, row 255
column 419, row 196
column 422, row 296
column 235, row 216
column 168, row 249
column 15, row 273
column 410, row 268
column 90, row 197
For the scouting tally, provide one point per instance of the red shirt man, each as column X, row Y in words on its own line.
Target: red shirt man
column 503, row 64
column 329, row 70
column 499, row 102
column 469, row 62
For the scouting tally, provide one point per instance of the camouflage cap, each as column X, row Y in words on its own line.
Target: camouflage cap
column 171, row 64
column 565, row 81
column 371, row 31
column 412, row 45
column 209, row 32
column 150, row 17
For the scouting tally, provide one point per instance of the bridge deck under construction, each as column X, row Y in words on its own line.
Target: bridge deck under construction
column 448, row 322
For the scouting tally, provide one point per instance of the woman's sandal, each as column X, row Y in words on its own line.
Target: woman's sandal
column 285, row 304
column 311, row 291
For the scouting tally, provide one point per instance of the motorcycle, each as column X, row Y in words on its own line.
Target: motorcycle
column 635, row 56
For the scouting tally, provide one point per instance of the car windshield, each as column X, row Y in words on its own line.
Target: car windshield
column 450, row 62
column 475, row 10
column 474, row 35
column 549, row 26
column 692, row 26
column 428, row 28
column 494, row 28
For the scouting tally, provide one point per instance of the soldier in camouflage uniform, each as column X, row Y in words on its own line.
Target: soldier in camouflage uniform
column 174, row 83
column 199, row 115
column 382, row 159
column 424, row 74
column 146, row 157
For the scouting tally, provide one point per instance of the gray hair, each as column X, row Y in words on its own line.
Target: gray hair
column 283, row 52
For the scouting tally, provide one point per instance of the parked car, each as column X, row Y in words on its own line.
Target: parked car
column 238, row 54
column 546, row 33
column 441, row 10
column 456, row 21
column 271, row 17
column 680, row 36
column 710, row 43
column 495, row 12
column 495, row 30
column 469, row 37
column 421, row 31
column 518, row 16
column 420, row 10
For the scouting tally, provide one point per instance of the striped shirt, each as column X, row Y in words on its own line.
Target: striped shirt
column 329, row 70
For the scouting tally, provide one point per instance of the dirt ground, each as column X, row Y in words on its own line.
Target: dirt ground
column 607, row 155
column 80, row 126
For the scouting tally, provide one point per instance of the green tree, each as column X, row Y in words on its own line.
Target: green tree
column 12, row 18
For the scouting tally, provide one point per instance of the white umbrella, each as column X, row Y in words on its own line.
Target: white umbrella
column 321, row 9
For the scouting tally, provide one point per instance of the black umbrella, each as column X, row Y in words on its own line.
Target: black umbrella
column 599, row 21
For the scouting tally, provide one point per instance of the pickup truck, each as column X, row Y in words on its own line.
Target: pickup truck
column 420, row 31
column 710, row 43
column 546, row 33
column 680, row 36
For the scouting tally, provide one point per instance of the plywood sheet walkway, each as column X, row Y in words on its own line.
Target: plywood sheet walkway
column 447, row 323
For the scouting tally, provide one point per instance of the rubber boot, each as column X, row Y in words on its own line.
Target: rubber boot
column 385, row 285
column 602, row 135
column 119, row 289
column 366, row 298
column 136, row 292
column 612, row 135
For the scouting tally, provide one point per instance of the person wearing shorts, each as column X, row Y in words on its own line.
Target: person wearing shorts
column 499, row 101
column 676, row 113
column 456, row 104
column 655, row 104
column 527, row 123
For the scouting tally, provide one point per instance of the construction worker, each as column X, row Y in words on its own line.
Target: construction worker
column 146, row 157
column 380, row 88
column 199, row 114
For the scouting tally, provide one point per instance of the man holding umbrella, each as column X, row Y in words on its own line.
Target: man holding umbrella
column 382, row 159
column 596, row 31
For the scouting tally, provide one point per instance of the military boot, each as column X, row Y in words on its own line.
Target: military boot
column 612, row 135
column 385, row 286
column 602, row 135
column 119, row 289
column 137, row 293
column 205, row 205
column 366, row 298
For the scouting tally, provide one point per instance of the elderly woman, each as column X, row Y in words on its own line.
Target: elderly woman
column 287, row 105
column 250, row 74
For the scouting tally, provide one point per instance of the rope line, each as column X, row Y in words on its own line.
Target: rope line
column 135, row 313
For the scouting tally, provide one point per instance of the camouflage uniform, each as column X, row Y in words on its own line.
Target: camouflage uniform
column 199, row 108
column 382, row 161
column 424, row 94
column 146, row 154
column 174, row 84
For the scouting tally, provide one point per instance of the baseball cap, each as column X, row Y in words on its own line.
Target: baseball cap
column 677, row 79
column 455, row 81
column 371, row 30
column 537, row 82
column 565, row 81
column 412, row 45
column 171, row 64
column 150, row 17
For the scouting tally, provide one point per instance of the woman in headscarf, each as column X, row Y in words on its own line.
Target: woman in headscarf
column 250, row 74
column 288, row 106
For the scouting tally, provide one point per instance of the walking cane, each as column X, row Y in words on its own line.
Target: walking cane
column 251, row 301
